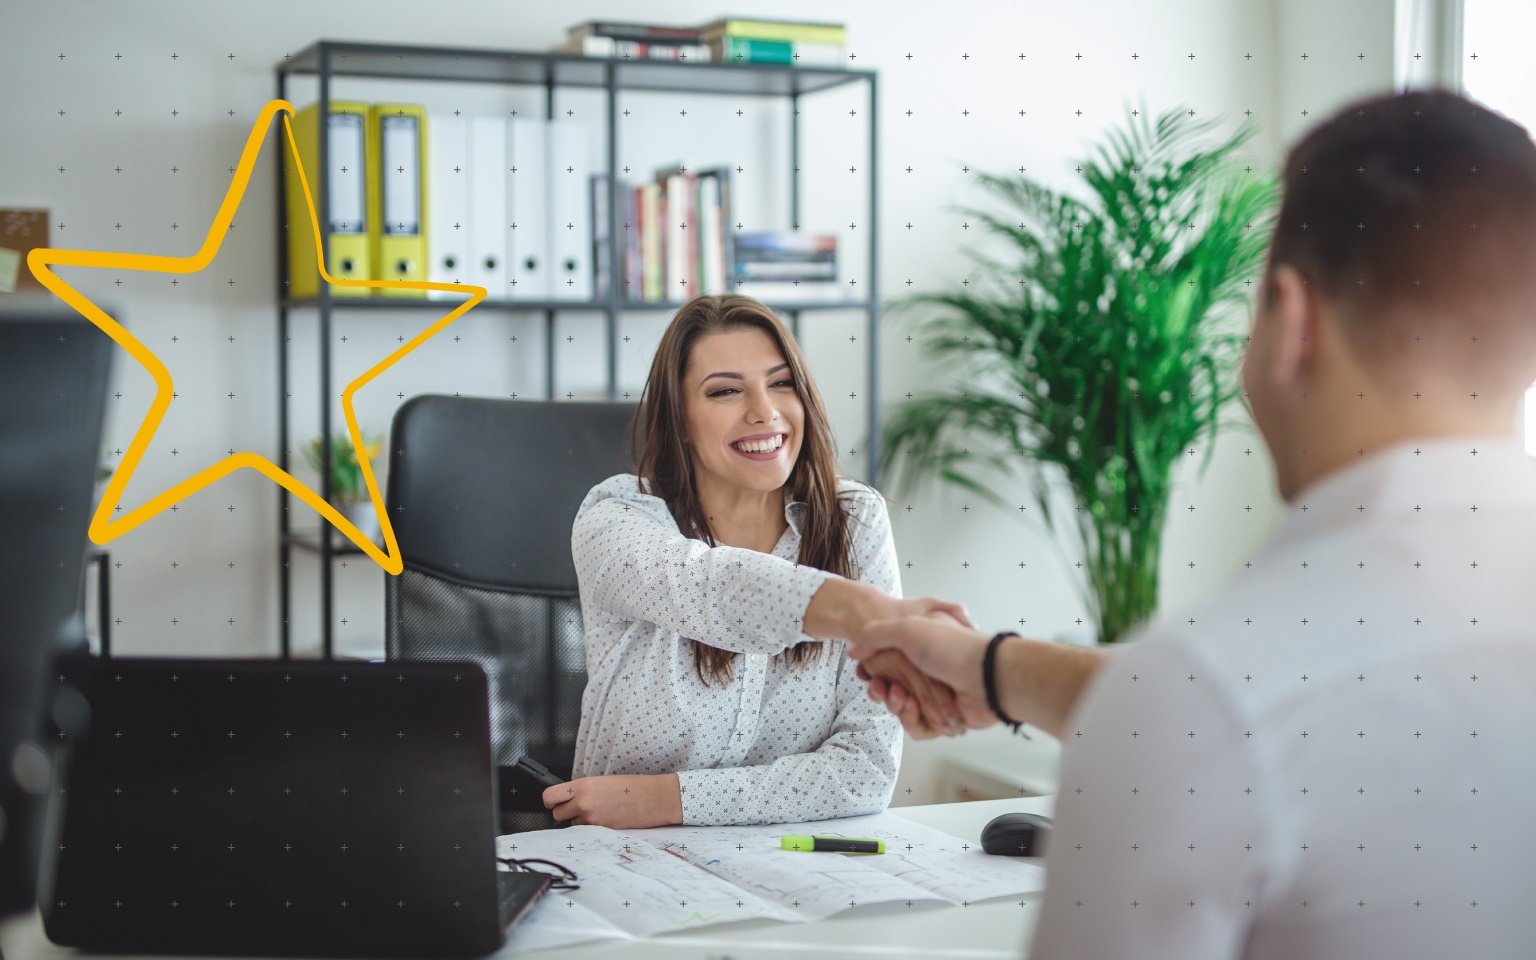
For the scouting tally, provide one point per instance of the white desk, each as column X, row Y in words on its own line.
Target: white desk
column 988, row 931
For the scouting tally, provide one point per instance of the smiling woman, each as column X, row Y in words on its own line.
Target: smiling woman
column 718, row 586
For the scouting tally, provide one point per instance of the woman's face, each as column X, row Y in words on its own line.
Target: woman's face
column 744, row 414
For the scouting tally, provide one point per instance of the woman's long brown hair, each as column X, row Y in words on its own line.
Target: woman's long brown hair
column 659, row 433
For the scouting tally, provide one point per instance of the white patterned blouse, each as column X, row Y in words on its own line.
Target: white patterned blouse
column 777, row 743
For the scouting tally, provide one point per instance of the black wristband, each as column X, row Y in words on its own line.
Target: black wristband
column 989, row 679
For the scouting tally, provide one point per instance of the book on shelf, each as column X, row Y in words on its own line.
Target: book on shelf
column 635, row 41
column 784, row 256
column 790, row 291
column 639, row 32
column 600, row 199
column 676, row 235
column 835, row 34
column 797, row 43
column 680, row 243
column 652, row 211
column 795, row 53
column 617, row 49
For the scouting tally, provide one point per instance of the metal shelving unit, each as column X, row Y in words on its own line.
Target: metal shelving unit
column 327, row 60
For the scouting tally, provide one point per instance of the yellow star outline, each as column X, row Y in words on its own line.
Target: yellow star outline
column 104, row 528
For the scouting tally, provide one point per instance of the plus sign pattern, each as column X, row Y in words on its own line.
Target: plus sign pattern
column 1228, row 781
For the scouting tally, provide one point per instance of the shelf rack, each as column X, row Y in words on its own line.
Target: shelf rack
column 327, row 60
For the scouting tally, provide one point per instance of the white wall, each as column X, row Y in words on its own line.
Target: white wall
column 211, row 566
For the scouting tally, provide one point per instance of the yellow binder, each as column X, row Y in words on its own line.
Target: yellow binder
column 347, row 150
column 397, row 196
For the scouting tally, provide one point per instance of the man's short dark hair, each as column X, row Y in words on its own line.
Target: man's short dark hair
column 1409, row 208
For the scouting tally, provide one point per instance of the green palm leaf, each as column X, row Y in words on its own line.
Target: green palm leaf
column 1098, row 349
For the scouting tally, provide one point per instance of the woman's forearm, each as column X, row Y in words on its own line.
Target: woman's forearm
column 840, row 607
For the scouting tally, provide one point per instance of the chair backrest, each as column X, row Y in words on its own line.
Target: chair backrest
column 482, row 494
column 53, row 391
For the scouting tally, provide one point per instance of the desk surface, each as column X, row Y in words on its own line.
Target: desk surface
column 987, row 931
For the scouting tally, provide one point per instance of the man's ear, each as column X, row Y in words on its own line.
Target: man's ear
column 1294, row 316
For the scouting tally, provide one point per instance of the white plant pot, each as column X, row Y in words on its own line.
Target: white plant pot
column 362, row 515
column 1086, row 635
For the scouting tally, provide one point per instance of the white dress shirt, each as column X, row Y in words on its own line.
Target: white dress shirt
column 1335, row 758
column 779, row 742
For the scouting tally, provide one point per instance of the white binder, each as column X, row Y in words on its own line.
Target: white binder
column 487, row 201
column 528, row 249
column 570, row 215
column 448, row 202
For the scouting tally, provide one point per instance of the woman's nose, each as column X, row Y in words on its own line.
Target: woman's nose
column 761, row 408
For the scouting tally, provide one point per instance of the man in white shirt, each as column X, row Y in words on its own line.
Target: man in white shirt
column 1333, row 758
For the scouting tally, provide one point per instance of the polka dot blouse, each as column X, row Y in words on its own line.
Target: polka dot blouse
column 777, row 743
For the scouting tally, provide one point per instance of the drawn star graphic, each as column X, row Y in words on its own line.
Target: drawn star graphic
column 104, row 528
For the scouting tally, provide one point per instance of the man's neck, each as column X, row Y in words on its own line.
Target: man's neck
column 1350, row 443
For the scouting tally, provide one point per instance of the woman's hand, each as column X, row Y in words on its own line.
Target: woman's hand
column 622, row 802
column 938, row 648
column 926, row 706
column 923, row 607
column 932, row 710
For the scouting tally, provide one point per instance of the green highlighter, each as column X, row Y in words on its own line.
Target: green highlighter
column 831, row 844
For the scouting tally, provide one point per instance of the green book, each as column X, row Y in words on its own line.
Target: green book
column 758, row 51
column 833, row 33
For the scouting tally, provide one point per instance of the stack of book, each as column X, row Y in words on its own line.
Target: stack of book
column 635, row 41
column 795, row 43
column 677, row 241
column 792, row 42
column 786, row 265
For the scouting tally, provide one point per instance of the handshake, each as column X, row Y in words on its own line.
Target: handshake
column 923, row 658
column 925, row 665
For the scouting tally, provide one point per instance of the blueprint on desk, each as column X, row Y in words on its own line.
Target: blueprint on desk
column 643, row 882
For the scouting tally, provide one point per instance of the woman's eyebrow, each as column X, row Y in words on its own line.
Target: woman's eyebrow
column 736, row 376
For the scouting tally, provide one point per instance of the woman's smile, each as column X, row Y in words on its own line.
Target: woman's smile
column 761, row 446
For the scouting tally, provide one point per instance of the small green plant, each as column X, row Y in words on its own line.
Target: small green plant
column 346, row 474
column 1097, row 351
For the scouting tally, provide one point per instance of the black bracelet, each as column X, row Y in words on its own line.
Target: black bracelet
column 989, row 680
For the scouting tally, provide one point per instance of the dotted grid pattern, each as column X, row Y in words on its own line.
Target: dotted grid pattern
column 227, row 372
column 149, row 236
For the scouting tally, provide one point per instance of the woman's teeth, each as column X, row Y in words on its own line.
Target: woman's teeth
column 761, row 446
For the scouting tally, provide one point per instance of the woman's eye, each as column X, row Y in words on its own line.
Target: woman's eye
column 723, row 392
column 785, row 383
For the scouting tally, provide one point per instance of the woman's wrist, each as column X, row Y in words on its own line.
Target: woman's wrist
column 669, row 791
column 841, row 607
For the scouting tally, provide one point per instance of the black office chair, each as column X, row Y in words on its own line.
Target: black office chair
column 482, row 494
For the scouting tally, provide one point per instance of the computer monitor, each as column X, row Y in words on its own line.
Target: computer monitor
column 54, row 366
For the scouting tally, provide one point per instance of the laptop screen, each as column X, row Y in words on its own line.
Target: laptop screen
column 279, row 807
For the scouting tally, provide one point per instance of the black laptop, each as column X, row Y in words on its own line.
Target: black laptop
column 285, row 808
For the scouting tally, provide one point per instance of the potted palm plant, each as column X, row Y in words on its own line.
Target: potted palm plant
column 1100, row 350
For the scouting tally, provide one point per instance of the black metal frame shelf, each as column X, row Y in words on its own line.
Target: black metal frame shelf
column 310, row 540
column 528, row 67
column 329, row 60
column 396, row 303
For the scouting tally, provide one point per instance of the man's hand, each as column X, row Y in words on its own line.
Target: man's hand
column 931, row 704
column 942, row 649
column 625, row 802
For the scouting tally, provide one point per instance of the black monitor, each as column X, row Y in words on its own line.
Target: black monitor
column 53, row 384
